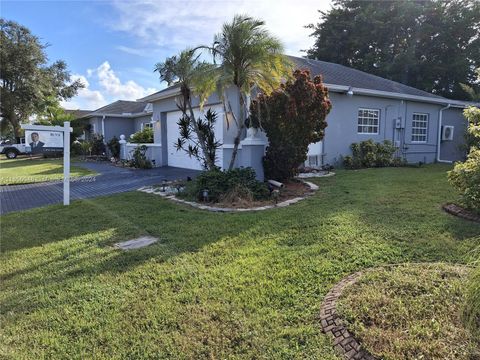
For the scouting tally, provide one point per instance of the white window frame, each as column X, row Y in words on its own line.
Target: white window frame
column 419, row 124
column 146, row 125
column 368, row 118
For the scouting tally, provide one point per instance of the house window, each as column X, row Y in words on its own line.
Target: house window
column 419, row 127
column 368, row 120
column 147, row 125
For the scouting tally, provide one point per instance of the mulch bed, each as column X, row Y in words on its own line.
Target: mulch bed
column 459, row 211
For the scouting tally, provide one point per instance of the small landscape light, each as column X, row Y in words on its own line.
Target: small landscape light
column 164, row 184
column 205, row 195
column 276, row 195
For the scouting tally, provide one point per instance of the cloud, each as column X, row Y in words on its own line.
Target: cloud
column 86, row 98
column 109, row 88
column 133, row 51
column 176, row 25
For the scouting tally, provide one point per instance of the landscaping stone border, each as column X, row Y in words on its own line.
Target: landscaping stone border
column 459, row 211
column 315, row 175
column 333, row 325
column 169, row 196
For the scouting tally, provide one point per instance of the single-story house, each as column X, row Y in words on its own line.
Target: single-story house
column 424, row 127
column 119, row 118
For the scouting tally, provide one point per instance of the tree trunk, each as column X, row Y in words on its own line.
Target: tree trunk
column 241, row 126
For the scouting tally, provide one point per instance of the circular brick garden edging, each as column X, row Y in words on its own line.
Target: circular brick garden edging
column 169, row 196
column 334, row 326
column 456, row 210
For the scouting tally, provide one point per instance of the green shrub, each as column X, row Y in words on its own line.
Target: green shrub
column 114, row 147
column 465, row 177
column 97, row 145
column 368, row 154
column 76, row 148
column 139, row 159
column 221, row 184
column 144, row 136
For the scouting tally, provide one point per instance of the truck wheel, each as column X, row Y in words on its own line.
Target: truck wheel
column 11, row 154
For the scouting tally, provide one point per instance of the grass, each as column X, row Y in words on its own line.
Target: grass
column 411, row 312
column 233, row 286
column 25, row 170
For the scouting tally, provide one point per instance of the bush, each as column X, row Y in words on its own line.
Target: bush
column 76, row 148
column 114, row 147
column 144, row 136
column 97, row 145
column 224, row 185
column 139, row 159
column 293, row 117
column 465, row 177
column 367, row 154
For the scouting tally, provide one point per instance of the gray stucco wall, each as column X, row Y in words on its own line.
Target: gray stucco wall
column 141, row 120
column 118, row 126
column 343, row 120
column 453, row 150
column 342, row 128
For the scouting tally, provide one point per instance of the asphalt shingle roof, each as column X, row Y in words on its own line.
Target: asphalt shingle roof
column 121, row 107
column 78, row 113
column 336, row 74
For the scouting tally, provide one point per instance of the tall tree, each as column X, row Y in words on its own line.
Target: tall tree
column 433, row 45
column 28, row 85
column 249, row 57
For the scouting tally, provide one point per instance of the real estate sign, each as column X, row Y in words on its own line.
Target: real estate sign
column 43, row 141
column 40, row 139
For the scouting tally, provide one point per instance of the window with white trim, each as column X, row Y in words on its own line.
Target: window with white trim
column 419, row 127
column 368, row 121
column 147, row 125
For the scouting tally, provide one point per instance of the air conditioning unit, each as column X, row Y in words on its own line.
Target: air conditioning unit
column 447, row 133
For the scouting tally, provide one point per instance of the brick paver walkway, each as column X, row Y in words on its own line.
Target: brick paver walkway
column 333, row 325
column 110, row 180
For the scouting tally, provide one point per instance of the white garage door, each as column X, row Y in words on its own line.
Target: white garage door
column 180, row 158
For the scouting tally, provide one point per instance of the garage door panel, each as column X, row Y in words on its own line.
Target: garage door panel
column 180, row 158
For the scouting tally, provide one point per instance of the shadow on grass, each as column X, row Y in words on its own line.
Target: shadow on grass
column 356, row 220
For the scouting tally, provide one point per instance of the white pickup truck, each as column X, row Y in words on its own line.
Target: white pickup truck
column 10, row 150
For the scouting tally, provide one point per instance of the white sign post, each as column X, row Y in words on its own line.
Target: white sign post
column 43, row 139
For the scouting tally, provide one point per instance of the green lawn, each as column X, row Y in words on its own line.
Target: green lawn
column 217, row 286
column 25, row 170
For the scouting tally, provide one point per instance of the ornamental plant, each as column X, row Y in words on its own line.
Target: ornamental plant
column 293, row 117
column 465, row 176
column 144, row 136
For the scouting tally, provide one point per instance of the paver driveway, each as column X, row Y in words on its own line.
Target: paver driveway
column 110, row 180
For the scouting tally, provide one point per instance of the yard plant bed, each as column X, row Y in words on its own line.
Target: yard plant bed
column 410, row 311
column 24, row 170
column 459, row 211
column 215, row 286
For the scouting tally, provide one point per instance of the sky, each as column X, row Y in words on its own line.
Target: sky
column 113, row 46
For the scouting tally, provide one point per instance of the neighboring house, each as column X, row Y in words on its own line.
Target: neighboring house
column 119, row 118
column 424, row 127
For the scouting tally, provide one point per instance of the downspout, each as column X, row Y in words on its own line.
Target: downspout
column 439, row 137
column 103, row 128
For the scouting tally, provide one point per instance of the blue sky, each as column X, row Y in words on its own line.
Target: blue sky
column 112, row 46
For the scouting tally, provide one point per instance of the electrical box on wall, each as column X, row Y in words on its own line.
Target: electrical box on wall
column 447, row 133
column 397, row 144
column 398, row 123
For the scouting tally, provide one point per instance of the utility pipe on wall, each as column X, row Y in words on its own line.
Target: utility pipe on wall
column 439, row 137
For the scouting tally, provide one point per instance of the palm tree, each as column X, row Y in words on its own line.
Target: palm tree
column 249, row 57
column 194, row 78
